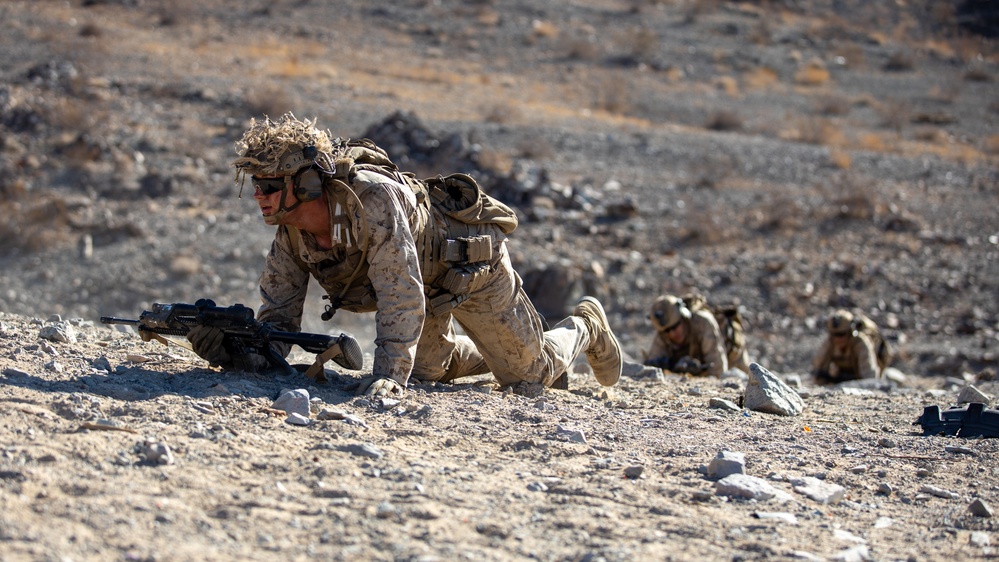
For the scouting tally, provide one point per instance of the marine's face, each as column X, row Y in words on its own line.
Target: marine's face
column 840, row 340
column 678, row 333
column 267, row 192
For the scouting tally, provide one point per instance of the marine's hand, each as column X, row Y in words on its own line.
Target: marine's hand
column 658, row 362
column 380, row 386
column 249, row 362
column 689, row 365
column 206, row 341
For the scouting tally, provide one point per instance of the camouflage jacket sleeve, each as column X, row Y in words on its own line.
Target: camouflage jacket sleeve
column 658, row 348
column 394, row 270
column 867, row 360
column 712, row 345
column 820, row 363
column 283, row 286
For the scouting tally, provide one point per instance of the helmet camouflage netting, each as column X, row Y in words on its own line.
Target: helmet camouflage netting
column 264, row 144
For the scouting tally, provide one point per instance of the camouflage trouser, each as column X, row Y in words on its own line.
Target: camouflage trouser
column 739, row 360
column 505, row 337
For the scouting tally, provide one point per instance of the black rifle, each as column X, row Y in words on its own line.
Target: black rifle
column 243, row 334
column 678, row 365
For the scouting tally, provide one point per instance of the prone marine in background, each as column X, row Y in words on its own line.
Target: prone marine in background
column 854, row 349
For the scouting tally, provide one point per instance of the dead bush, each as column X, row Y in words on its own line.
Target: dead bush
column 759, row 78
column 582, row 49
column 544, row 30
column 851, row 56
column 814, row 73
column 495, row 161
column 269, row 99
column 35, row 225
column 90, row 29
column 502, row 113
column 536, row 148
column 761, row 33
column 840, row 159
column 612, row 96
column 977, row 74
column 782, row 214
column 847, row 199
column 945, row 94
column 832, row 105
column 724, row 120
column 894, row 114
column 991, row 144
column 930, row 134
column 820, row 131
column 900, row 61
column 642, row 44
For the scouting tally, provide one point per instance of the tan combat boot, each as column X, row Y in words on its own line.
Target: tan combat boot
column 604, row 351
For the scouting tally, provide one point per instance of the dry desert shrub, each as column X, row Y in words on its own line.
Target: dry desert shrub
column 724, row 120
column 840, row 159
column 644, row 43
column 820, row 131
column 894, row 114
column 943, row 93
column 759, row 78
column 613, row 96
column 726, row 84
column 544, row 30
column 872, row 142
column 269, row 99
column 91, row 29
column 933, row 135
column 761, row 34
column 977, row 74
column 900, row 61
column 814, row 73
column 495, row 161
column 713, row 170
column 501, row 113
column 73, row 115
column 536, row 148
column 35, row 225
column 832, row 105
column 584, row 49
column 850, row 55
column 783, row 213
column 847, row 199
column 990, row 145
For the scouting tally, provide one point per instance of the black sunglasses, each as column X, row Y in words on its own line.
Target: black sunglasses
column 268, row 186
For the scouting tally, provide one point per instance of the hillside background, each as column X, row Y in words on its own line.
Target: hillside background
column 790, row 156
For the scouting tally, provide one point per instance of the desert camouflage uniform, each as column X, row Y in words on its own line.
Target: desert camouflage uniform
column 703, row 343
column 505, row 332
column 856, row 359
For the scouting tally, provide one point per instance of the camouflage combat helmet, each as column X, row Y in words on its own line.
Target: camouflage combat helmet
column 667, row 312
column 294, row 152
column 840, row 322
column 282, row 147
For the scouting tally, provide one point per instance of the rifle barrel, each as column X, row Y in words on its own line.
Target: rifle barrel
column 114, row 320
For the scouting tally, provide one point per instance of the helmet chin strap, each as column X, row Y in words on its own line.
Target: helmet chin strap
column 275, row 219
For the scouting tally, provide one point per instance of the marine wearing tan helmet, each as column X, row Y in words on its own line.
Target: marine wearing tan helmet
column 685, row 333
column 850, row 352
column 667, row 312
column 840, row 323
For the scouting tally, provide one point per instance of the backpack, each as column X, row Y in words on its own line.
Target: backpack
column 863, row 324
column 729, row 319
column 453, row 220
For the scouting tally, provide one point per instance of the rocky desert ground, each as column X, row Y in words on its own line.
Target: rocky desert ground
column 789, row 156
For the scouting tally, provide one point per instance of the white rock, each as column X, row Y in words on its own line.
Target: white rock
column 767, row 393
